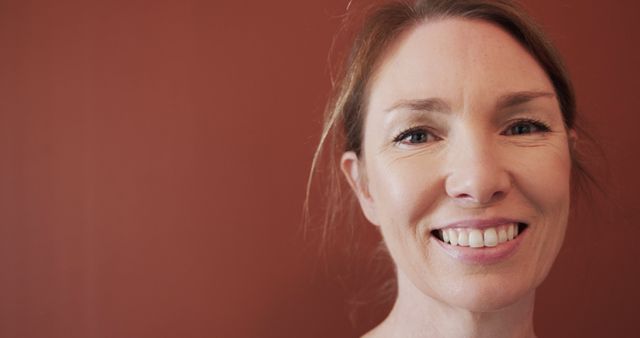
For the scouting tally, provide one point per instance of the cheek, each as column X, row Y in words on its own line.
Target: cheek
column 542, row 181
column 543, row 178
column 405, row 190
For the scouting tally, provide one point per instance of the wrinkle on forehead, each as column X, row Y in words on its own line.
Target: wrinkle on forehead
column 460, row 60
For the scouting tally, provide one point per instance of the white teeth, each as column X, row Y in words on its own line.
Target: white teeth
column 463, row 238
column 502, row 235
column 490, row 237
column 477, row 238
column 453, row 237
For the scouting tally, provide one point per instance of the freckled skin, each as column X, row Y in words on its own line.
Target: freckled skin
column 469, row 166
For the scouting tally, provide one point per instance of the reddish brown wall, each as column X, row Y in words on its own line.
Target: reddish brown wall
column 153, row 158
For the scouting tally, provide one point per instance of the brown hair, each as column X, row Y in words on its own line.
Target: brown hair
column 345, row 111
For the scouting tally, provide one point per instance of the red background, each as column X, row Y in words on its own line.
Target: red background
column 154, row 155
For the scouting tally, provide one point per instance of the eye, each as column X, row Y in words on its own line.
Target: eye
column 525, row 127
column 415, row 135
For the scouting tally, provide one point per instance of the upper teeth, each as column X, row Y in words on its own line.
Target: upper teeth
column 477, row 238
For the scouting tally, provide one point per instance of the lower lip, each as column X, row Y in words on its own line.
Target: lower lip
column 485, row 255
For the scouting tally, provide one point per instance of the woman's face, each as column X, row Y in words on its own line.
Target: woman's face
column 464, row 142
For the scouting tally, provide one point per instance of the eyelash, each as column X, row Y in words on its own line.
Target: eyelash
column 412, row 131
column 540, row 127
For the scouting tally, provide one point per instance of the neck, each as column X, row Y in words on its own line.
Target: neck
column 418, row 315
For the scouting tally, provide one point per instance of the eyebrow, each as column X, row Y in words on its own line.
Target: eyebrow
column 438, row 105
column 518, row 98
column 427, row 105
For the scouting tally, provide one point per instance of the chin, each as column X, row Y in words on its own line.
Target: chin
column 489, row 298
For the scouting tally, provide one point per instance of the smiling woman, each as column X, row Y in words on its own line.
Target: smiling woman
column 457, row 120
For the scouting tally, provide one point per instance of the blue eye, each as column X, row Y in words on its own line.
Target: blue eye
column 414, row 136
column 525, row 127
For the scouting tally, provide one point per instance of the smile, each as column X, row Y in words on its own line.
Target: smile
column 480, row 238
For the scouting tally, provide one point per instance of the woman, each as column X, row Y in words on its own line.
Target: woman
column 458, row 126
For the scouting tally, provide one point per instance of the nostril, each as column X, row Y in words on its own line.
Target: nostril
column 497, row 195
column 464, row 196
column 481, row 198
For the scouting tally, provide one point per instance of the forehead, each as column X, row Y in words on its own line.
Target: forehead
column 455, row 59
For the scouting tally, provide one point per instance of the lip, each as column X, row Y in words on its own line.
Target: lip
column 480, row 223
column 485, row 255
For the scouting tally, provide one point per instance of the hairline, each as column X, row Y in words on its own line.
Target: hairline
column 411, row 24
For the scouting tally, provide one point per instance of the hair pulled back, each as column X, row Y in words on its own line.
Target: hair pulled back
column 346, row 109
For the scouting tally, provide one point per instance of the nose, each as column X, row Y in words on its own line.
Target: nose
column 475, row 173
